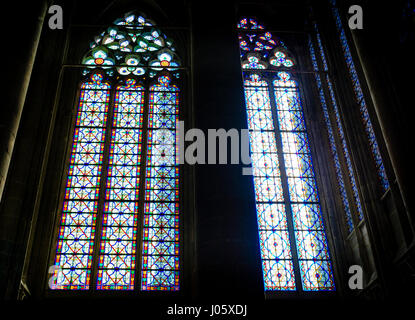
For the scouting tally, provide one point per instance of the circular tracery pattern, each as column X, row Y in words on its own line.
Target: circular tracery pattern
column 133, row 45
column 132, row 110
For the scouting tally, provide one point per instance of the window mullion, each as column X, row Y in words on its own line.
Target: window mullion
column 142, row 177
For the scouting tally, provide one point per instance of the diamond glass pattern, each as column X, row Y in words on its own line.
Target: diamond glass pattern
column 160, row 253
column 274, row 239
column 135, row 193
column 117, row 260
column 311, row 242
column 305, row 234
column 77, row 227
column 360, row 99
column 331, row 132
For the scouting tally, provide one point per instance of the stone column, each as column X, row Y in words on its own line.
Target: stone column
column 23, row 24
column 21, row 55
column 227, row 247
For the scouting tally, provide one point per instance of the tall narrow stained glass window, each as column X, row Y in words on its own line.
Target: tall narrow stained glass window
column 360, row 99
column 119, row 226
column 293, row 244
column 351, row 200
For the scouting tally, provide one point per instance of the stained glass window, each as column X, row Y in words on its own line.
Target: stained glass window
column 335, row 129
column 80, row 206
column 161, row 209
column 293, row 243
column 119, row 227
column 360, row 99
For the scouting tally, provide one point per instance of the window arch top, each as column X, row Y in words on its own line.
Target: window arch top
column 132, row 45
column 260, row 49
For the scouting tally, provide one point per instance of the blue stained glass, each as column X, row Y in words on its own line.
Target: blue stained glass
column 280, row 58
column 330, row 131
column 132, row 47
column 275, row 244
column 278, row 274
column 278, row 238
column 116, row 268
column 135, row 51
column 316, row 275
column 275, row 249
column 340, row 128
column 345, row 151
column 160, row 253
column 77, row 228
column 360, row 99
column 253, row 62
column 261, row 43
column 311, row 243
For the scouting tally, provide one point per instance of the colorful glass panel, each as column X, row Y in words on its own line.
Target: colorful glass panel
column 77, row 227
column 330, row 130
column 345, row 151
column 253, row 62
column 136, row 189
column 374, row 147
column 275, row 247
column 116, row 268
column 279, row 59
column 291, row 230
column 135, row 45
column 254, row 39
column 160, row 253
column 311, row 242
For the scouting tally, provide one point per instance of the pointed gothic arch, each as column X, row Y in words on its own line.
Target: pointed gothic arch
column 293, row 244
column 120, row 210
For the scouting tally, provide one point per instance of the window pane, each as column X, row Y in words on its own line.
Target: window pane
column 275, row 247
column 116, row 269
column 77, row 228
column 160, row 254
column 311, row 242
column 293, row 244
